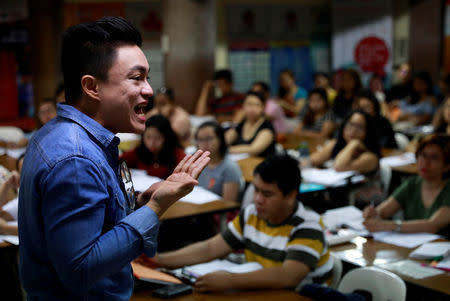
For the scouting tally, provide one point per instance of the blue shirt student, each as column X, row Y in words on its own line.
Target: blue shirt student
column 76, row 239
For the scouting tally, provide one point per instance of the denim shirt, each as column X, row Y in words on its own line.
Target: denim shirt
column 76, row 239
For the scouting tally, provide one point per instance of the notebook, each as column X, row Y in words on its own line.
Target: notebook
column 431, row 250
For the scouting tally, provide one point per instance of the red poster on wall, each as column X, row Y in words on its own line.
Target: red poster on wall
column 9, row 107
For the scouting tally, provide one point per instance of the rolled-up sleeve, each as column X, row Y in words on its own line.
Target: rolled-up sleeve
column 74, row 208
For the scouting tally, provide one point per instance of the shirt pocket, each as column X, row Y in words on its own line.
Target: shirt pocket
column 117, row 209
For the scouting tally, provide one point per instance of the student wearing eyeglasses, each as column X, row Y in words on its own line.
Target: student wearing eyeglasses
column 77, row 226
column 356, row 147
column 424, row 198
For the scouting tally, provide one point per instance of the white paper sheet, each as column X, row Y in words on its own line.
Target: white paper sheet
column 199, row 195
column 14, row 239
column 431, row 250
column 327, row 177
column 412, row 269
column 399, row 160
column 444, row 264
column 348, row 216
column 221, row 265
column 407, row 240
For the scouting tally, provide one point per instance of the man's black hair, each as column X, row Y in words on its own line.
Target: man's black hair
column 90, row 48
column 282, row 170
column 224, row 74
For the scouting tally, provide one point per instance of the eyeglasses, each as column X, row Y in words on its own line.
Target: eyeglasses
column 128, row 183
column 357, row 127
column 205, row 140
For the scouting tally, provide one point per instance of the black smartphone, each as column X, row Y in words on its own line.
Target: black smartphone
column 172, row 290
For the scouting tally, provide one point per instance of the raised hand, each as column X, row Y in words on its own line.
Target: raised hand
column 179, row 183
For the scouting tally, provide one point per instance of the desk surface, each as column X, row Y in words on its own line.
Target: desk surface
column 247, row 167
column 367, row 252
column 183, row 209
column 292, row 141
column 256, row 295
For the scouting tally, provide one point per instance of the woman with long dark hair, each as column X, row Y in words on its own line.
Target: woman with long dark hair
column 159, row 151
column 356, row 147
column 319, row 121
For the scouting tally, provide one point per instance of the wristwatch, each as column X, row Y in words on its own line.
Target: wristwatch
column 398, row 225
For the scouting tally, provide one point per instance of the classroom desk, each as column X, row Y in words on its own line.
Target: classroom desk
column 183, row 209
column 292, row 141
column 255, row 295
column 410, row 169
column 247, row 167
column 368, row 252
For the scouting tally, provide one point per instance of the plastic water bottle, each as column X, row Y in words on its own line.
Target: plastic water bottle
column 304, row 158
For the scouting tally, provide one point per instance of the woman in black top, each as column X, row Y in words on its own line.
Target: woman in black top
column 255, row 134
column 369, row 104
column 345, row 101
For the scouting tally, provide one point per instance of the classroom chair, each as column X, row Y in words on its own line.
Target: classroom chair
column 337, row 271
column 382, row 285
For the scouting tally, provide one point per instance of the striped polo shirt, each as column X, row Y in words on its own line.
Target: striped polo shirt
column 300, row 237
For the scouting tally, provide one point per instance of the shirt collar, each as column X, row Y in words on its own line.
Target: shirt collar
column 101, row 134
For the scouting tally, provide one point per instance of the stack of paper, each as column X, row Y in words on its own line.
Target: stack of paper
column 328, row 177
column 400, row 160
column 221, row 265
column 431, row 250
column 407, row 240
column 412, row 269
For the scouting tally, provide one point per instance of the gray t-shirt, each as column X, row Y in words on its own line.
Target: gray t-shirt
column 214, row 178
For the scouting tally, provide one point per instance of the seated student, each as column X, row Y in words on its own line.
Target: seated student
column 424, row 199
column 8, row 206
column 321, row 80
column 346, row 101
column 369, row 104
column 319, row 120
column 255, row 134
column 420, row 105
column 218, row 98
column 356, row 147
column 222, row 175
column 159, row 151
column 273, row 110
column 442, row 118
column 46, row 111
column 291, row 97
column 164, row 104
column 276, row 231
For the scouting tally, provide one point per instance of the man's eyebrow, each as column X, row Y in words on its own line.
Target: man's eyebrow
column 139, row 68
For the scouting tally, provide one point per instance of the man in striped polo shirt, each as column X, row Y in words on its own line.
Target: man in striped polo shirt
column 275, row 231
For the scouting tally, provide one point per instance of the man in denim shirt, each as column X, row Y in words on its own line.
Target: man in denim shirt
column 78, row 232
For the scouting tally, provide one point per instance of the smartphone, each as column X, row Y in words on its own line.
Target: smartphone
column 172, row 290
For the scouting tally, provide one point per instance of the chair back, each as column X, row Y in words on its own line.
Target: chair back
column 382, row 285
column 337, row 271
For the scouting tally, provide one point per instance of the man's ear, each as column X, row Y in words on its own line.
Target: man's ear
column 89, row 85
column 292, row 194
